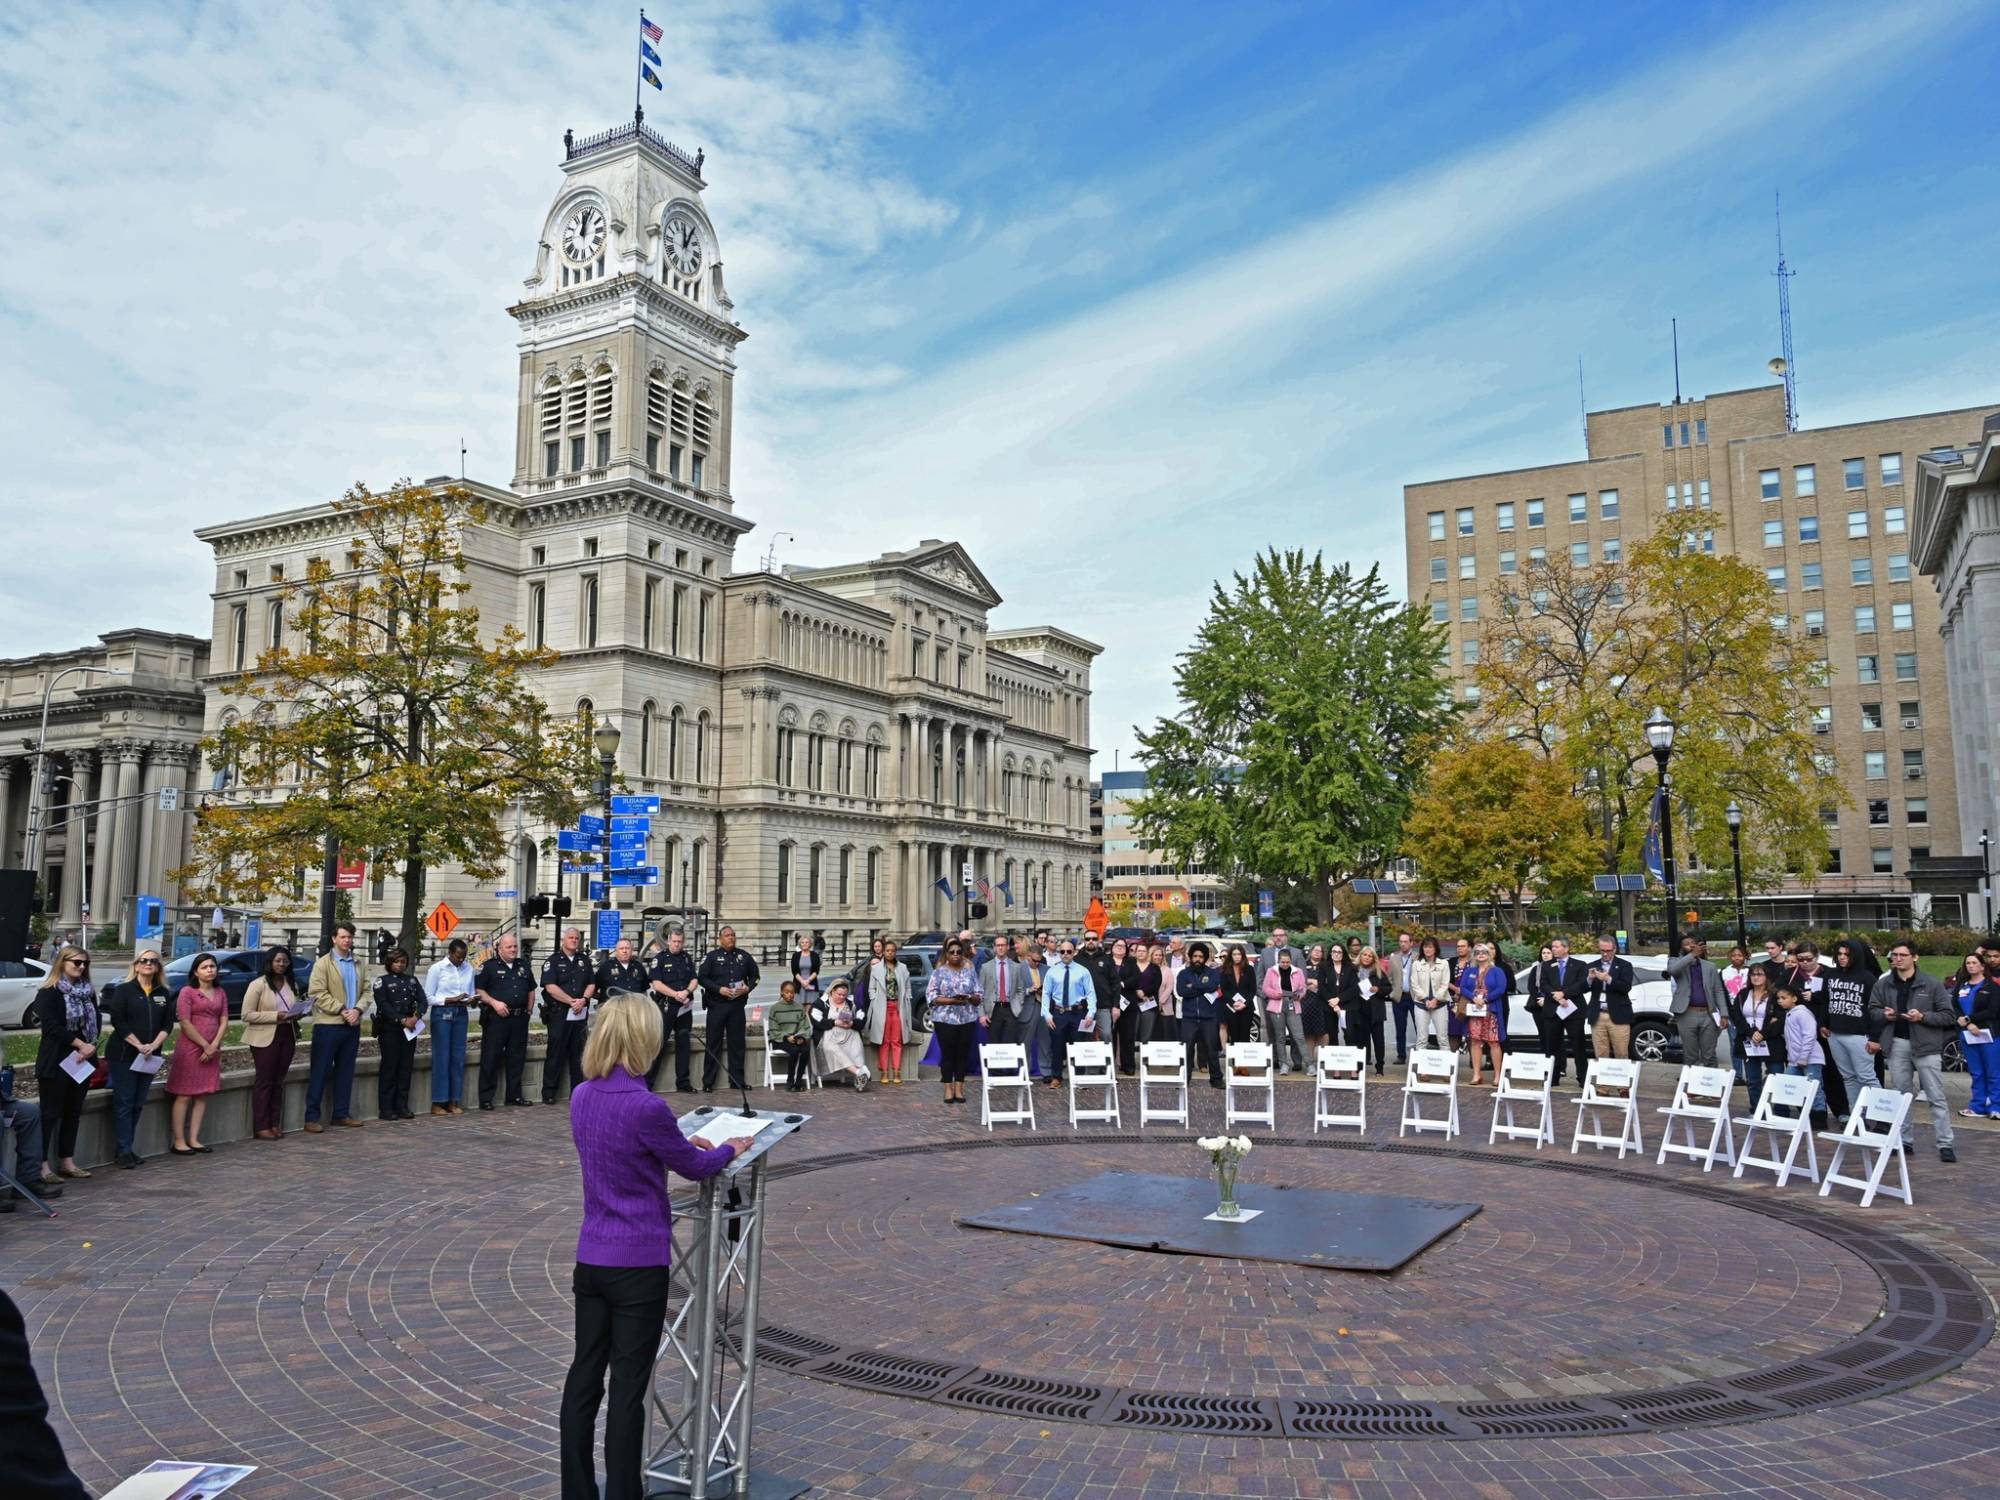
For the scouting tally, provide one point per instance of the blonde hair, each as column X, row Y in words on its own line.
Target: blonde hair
column 625, row 1033
column 63, row 956
column 132, row 969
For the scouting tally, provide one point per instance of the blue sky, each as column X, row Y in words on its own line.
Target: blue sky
column 1115, row 295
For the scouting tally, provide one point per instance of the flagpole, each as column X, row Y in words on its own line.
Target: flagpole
column 639, row 78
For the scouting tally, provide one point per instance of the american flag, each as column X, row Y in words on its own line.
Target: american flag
column 648, row 29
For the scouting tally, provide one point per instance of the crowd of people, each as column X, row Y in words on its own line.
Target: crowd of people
column 1847, row 1023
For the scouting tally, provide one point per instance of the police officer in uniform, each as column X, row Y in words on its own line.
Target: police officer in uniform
column 399, row 1000
column 505, row 985
column 621, row 973
column 727, row 975
column 566, row 991
column 672, row 983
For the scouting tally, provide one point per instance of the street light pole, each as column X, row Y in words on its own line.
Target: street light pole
column 41, row 754
column 606, row 738
column 1660, row 736
column 1735, row 816
column 1986, row 876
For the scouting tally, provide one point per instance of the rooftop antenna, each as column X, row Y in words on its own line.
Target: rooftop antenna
column 1784, row 364
column 1582, row 406
column 1677, row 360
column 771, row 552
column 461, row 458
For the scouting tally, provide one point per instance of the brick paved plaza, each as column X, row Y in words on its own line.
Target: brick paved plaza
column 385, row 1312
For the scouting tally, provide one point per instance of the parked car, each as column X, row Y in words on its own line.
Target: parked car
column 1655, row 1036
column 239, row 966
column 18, row 983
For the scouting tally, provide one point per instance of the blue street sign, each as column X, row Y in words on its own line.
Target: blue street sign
column 1266, row 905
column 628, row 853
column 570, row 869
column 635, row 804
column 572, row 841
column 589, row 823
column 506, row 895
column 596, row 890
column 635, row 875
column 619, row 836
column 631, row 825
column 610, row 924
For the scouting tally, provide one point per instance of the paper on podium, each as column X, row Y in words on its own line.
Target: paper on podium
column 719, row 1129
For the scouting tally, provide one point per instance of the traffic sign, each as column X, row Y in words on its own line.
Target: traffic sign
column 589, row 823
column 631, row 824
column 581, row 869
column 596, row 890
column 610, row 925
column 170, row 799
column 635, row 804
column 506, row 895
column 626, row 838
column 442, row 921
column 650, row 875
column 573, row 842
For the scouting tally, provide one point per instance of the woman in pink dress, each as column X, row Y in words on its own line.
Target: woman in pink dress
column 194, row 1070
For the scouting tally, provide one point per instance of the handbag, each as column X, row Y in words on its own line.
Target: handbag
column 99, row 1075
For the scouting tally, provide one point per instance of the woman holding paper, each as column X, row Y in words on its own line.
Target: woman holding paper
column 195, row 1071
column 400, row 1004
column 1482, row 991
column 271, row 1008
column 1757, row 1030
column 627, row 1140
column 66, row 1008
column 1979, row 1012
column 141, row 1016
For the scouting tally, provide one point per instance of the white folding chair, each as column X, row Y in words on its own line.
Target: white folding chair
column 1874, row 1124
column 1337, row 1071
column 1433, row 1074
column 1258, row 1078
column 771, row 1058
column 1090, row 1067
column 1163, row 1069
column 1612, row 1088
column 1525, row 1079
column 1782, row 1091
column 1003, row 1066
column 1700, row 1097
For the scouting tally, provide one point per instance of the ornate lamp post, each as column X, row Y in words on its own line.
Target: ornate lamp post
column 1735, row 816
column 1660, row 736
column 605, row 737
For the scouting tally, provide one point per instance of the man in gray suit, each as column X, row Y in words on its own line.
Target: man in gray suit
column 1007, row 985
column 1701, row 1003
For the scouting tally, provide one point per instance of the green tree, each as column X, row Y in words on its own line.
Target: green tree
column 1306, row 703
column 1171, row 919
column 1573, row 661
column 1493, row 823
column 386, row 719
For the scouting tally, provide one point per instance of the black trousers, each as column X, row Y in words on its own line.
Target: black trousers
column 1204, row 1037
column 620, row 1311
column 1005, row 1027
column 677, row 1033
column 1406, row 1011
column 1548, row 1030
column 566, row 1039
column 62, row 1112
column 955, row 1049
column 1125, row 1037
column 795, row 1054
column 725, row 1031
column 1572, row 1045
column 1365, row 1031
column 392, row 1081
column 503, row 1041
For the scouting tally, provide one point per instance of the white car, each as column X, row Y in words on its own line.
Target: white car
column 1654, row 1034
column 18, row 983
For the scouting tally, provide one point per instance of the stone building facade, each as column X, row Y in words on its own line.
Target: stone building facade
column 1825, row 512
column 827, row 742
column 124, row 720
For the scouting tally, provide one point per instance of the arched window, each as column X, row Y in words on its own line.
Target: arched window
column 701, row 748
column 785, row 874
column 696, row 858
column 586, row 716
column 646, row 714
column 674, row 744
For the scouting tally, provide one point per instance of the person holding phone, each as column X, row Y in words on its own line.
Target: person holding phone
column 627, row 1140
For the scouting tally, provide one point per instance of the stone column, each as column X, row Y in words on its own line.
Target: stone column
column 103, row 900
column 7, row 813
column 124, row 862
column 146, row 879
column 177, row 827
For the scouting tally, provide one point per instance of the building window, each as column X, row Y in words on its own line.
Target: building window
column 701, row 628
column 1815, row 621
column 551, row 459
column 1894, row 522
column 239, row 635
column 1833, row 861
column 1864, row 619
column 1535, row 513
column 1892, row 468
column 674, row 743
column 674, row 620
column 1910, row 713
column 1805, row 480
column 1537, row 555
column 1882, row 861
column 1854, row 472
column 1868, row 668
column 1906, row 666
column 1612, row 549
column 1774, row 533
column 1507, row 562
column 1707, row 537
column 1808, row 528
column 1579, row 554
column 1903, row 616
column 649, row 606
column 1768, row 485
column 694, row 471
column 1607, row 505
column 1438, row 570
column 701, row 748
column 1504, row 515
column 1539, row 599
column 784, row 874
column 674, row 462
column 1781, row 622
column 646, row 712
column 1440, row 610
column 1871, row 716
column 1579, row 509
column 1775, row 577
column 1857, row 525
column 1860, row 570
column 1468, row 607
column 576, row 454
column 1822, row 719
column 845, row 889
column 587, row 611
column 1465, row 521
column 815, row 858
column 1878, row 812
column 1875, row 765
column 1468, row 565
column 653, row 451
column 603, row 449
column 1436, row 519
column 274, row 624
column 1666, row 434
column 1468, row 652
column 1673, row 497
column 786, row 735
column 1917, row 811
column 1899, row 567
column 1684, row 434
column 538, row 615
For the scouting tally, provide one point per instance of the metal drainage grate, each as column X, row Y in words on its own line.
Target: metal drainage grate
column 1918, row 1362
column 893, row 1374
column 788, row 1347
column 1861, row 1352
column 1539, row 1419
column 1780, row 1378
column 1215, row 1416
column 1841, row 1388
column 1688, row 1406
column 1027, row 1396
column 1376, row 1419
column 1903, row 1328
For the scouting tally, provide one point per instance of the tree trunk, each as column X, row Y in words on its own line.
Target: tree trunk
column 410, row 936
column 1323, row 897
column 1516, row 914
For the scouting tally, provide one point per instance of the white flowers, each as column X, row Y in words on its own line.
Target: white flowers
column 1220, row 1146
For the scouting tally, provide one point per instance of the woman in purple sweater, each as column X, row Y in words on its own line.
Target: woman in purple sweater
column 627, row 1141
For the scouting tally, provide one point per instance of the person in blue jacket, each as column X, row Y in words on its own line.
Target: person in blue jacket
column 1198, row 989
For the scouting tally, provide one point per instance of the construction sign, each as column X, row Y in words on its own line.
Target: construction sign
column 1096, row 919
column 442, row 921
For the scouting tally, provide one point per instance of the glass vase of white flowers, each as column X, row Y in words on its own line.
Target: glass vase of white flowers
column 1226, row 1151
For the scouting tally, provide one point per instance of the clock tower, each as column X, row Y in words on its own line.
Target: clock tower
column 628, row 338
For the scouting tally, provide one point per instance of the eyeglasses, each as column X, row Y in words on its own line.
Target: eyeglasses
column 147, row 963
column 77, row 963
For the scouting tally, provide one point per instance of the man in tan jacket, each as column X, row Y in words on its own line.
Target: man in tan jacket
column 338, row 991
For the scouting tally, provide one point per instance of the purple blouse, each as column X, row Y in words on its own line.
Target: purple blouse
column 627, row 1140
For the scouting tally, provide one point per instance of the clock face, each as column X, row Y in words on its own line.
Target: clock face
column 683, row 245
column 583, row 235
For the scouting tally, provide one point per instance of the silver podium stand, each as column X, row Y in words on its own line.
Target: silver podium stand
column 704, row 1383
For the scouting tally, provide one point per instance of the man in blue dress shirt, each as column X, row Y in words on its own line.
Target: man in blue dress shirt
column 1068, row 995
